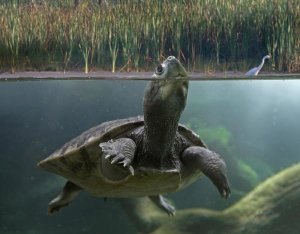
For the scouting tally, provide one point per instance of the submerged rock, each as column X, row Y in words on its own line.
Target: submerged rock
column 272, row 207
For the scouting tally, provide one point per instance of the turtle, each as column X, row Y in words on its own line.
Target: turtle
column 148, row 155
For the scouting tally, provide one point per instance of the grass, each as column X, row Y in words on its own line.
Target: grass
column 127, row 36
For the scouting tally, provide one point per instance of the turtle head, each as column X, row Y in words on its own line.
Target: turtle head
column 171, row 68
column 167, row 93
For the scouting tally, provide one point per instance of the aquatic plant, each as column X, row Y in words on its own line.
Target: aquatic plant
column 248, row 172
column 219, row 33
column 216, row 134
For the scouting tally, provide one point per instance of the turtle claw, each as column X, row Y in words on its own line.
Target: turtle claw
column 131, row 170
column 118, row 158
column 221, row 182
column 224, row 189
column 171, row 211
column 107, row 156
column 126, row 163
column 120, row 151
column 104, row 146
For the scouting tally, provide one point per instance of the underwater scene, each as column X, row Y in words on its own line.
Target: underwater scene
column 252, row 124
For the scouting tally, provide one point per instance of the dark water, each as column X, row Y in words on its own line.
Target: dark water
column 254, row 125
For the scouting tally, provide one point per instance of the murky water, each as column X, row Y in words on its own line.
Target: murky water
column 253, row 124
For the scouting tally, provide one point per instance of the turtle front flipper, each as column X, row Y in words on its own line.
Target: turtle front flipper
column 69, row 192
column 210, row 163
column 119, row 151
column 163, row 204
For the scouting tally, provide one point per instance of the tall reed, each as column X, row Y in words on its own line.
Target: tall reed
column 127, row 34
column 11, row 34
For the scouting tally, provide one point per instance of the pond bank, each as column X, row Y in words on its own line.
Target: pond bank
column 34, row 75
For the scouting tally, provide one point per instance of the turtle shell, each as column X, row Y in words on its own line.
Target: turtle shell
column 79, row 161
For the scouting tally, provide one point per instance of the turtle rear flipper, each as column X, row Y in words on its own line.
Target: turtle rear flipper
column 69, row 192
column 163, row 204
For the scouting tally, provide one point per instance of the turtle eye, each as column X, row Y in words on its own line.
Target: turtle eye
column 159, row 69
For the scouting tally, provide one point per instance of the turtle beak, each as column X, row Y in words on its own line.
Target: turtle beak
column 181, row 70
column 175, row 66
column 182, row 73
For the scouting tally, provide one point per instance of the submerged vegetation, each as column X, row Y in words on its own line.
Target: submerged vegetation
column 130, row 35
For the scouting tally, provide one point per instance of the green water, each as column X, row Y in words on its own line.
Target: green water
column 254, row 125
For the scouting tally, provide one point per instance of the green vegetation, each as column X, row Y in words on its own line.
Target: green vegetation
column 253, row 170
column 206, row 35
column 248, row 172
column 216, row 134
